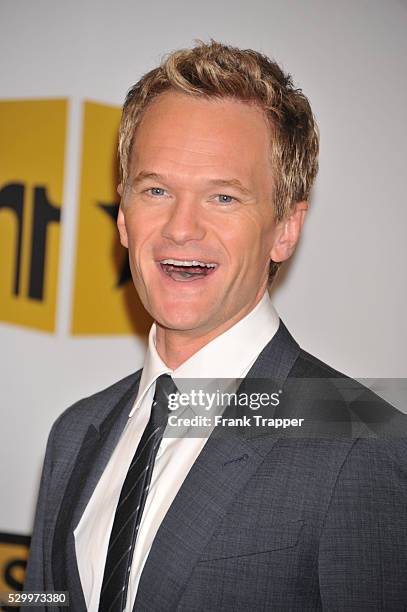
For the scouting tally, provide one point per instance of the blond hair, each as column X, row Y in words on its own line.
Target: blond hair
column 215, row 70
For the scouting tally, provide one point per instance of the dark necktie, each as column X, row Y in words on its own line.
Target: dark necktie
column 131, row 503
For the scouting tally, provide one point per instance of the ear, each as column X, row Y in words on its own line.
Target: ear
column 121, row 226
column 288, row 232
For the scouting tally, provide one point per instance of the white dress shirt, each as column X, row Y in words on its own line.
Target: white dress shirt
column 227, row 356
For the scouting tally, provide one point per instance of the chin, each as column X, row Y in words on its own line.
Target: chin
column 180, row 319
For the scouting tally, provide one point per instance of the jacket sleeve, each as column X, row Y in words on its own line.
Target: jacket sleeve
column 363, row 546
column 35, row 574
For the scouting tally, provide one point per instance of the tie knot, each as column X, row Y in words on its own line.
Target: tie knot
column 164, row 387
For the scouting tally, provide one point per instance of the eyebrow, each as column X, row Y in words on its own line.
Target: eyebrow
column 144, row 175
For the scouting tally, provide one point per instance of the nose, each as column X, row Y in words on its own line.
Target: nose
column 184, row 223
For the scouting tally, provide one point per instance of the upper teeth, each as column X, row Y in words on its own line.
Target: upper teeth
column 184, row 262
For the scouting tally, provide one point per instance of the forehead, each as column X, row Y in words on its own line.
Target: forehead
column 202, row 135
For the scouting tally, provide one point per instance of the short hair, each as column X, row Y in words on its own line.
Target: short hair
column 215, row 70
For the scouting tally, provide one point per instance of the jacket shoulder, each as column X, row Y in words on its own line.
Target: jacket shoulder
column 94, row 408
column 309, row 365
column 378, row 426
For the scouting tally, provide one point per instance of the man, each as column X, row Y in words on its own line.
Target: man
column 218, row 155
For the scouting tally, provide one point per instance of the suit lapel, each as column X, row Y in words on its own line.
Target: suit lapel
column 277, row 358
column 224, row 466
column 95, row 451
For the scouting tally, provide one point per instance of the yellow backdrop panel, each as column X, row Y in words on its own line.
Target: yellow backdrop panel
column 13, row 561
column 101, row 270
column 32, row 136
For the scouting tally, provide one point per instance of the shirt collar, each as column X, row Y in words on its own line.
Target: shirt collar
column 228, row 356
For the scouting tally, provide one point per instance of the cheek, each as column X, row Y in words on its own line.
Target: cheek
column 140, row 230
column 249, row 238
column 266, row 232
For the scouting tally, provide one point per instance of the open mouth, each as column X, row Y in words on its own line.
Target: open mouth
column 186, row 270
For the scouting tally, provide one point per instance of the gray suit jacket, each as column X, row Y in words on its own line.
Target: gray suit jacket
column 262, row 521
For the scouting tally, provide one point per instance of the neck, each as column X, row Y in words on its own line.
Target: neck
column 176, row 346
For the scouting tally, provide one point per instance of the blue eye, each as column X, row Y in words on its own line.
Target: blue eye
column 225, row 199
column 156, row 191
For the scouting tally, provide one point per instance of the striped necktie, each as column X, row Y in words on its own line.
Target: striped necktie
column 132, row 501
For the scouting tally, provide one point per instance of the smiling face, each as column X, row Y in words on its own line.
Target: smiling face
column 197, row 213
